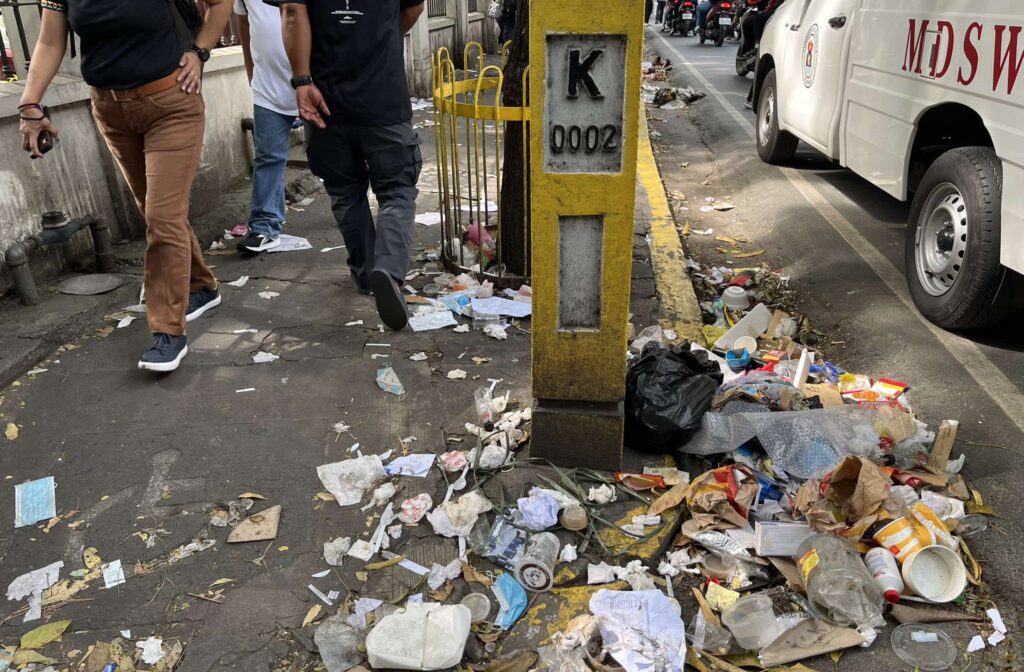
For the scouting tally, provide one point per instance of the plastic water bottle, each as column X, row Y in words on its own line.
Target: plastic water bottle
column 839, row 586
column 882, row 565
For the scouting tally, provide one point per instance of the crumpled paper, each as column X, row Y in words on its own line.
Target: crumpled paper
column 642, row 630
column 349, row 480
column 335, row 551
column 537, row 512
column 457, row 517
column 414, row 508
column 721, row 498
column 858, row 488
column 439, row 574
column 32, row 585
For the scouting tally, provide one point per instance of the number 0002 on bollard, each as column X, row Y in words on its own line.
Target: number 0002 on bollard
column 584, row 104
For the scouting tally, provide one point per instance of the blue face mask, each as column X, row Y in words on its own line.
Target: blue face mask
column 512, row 600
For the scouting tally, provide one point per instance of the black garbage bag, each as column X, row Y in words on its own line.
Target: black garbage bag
column 668, row 390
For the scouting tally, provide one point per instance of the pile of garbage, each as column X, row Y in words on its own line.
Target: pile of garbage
column 814, row 476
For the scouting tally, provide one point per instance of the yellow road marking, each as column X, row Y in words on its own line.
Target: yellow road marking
column 679, row 308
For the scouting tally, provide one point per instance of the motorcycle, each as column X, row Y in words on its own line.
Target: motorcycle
column 717, row 25
column 680, row 17
column 746, row 61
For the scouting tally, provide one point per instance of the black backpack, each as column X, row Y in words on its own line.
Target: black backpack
column 187, row 20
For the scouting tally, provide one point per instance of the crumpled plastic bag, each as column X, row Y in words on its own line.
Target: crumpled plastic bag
column 802, row 444
column 349, row 480
column 668, row 390
column 425, row 636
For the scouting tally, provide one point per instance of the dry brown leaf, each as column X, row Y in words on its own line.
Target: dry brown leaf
column 471, row 573
column 11, row 432
column 311, row 615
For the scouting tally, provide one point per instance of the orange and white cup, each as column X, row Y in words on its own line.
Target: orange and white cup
column 901, row 538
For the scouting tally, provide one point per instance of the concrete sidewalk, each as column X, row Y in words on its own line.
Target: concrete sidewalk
column 143, row 459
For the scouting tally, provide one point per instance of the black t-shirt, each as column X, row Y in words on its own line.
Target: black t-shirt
column 125, row 43
column 357, row 59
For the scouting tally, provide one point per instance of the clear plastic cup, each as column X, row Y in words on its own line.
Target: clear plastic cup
column 752, row 621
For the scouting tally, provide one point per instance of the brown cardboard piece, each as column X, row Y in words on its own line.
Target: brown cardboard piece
column 258, row 527
column 943, row 446
column 808, row 639
column 829, row 394
column 711, row 505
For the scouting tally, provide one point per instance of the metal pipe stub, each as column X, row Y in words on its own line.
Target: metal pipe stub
column 56, row 228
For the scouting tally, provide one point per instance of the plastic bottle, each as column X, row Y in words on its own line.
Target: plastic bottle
column 485, row 408
column 882, row 565
column 840, row 588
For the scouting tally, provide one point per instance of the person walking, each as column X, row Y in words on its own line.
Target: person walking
column 274, row 112
column 349, row 75
column 648, row 10
column 507, row 22
column 659, row 16
column 143, row 60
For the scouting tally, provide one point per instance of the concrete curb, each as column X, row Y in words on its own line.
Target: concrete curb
column 680, row 310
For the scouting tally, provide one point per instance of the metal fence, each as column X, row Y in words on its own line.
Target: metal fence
column 437, row 8
column 17, row 40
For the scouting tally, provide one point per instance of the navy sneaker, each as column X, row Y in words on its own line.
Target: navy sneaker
column 256, row 243
column 165, row 354
column 362, row 285
column 390, row 302
column 200, row 302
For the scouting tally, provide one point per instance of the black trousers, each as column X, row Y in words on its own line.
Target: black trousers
column 648, row 10
column 350, row 160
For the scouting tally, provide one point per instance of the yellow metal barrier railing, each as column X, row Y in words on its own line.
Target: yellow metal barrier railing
column 470, row 127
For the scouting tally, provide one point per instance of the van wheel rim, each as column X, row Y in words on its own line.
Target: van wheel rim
column 941, row 239
column 767, row 115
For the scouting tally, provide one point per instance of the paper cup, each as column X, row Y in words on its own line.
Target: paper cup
column 935, row 573
column 747, row 343
column 900, row 538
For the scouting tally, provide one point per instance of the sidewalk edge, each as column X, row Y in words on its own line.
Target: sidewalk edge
column 680, row 310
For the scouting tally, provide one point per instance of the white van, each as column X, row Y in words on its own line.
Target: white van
column 925, row 99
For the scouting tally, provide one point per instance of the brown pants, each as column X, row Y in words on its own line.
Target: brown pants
column 157, row 140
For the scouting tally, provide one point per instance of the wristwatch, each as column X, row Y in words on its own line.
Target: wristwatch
column 203, row 54
column 304, row 80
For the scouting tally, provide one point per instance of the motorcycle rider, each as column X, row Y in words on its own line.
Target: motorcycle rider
column 704, row 7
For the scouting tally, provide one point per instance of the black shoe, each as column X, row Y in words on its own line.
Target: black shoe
column 390, row 302
column 200, row 302
column 362, row 286
column 256, row 243
column 165, row 354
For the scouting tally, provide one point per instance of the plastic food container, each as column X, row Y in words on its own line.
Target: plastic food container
column 479, row 606
column 735, row 298
column 935, row 573
column 752, row 621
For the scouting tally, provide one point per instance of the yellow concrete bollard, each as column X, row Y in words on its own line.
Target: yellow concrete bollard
column 584, row 91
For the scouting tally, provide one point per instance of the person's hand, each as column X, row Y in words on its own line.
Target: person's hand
column 312, row 107
column 32, row 124
column 191, row 75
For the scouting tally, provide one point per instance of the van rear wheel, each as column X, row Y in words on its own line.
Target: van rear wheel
column 774, row 145
column 952, row 247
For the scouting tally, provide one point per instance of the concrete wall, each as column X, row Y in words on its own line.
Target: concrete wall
column 80, row 177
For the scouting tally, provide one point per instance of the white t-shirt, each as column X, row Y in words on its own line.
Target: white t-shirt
column 271, row 73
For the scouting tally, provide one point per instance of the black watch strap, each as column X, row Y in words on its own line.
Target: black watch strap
column 304, row 80
column 203, row 54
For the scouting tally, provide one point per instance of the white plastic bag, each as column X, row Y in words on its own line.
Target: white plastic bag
column 426, row 636
column 494, row 9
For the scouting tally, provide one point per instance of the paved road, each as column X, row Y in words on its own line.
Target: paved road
column 841, row 241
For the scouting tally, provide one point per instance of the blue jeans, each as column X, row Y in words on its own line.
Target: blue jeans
column 272, row 136
column 703, row 8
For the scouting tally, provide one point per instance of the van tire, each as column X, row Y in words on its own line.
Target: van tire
column 981, row 292
column 774, row 145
